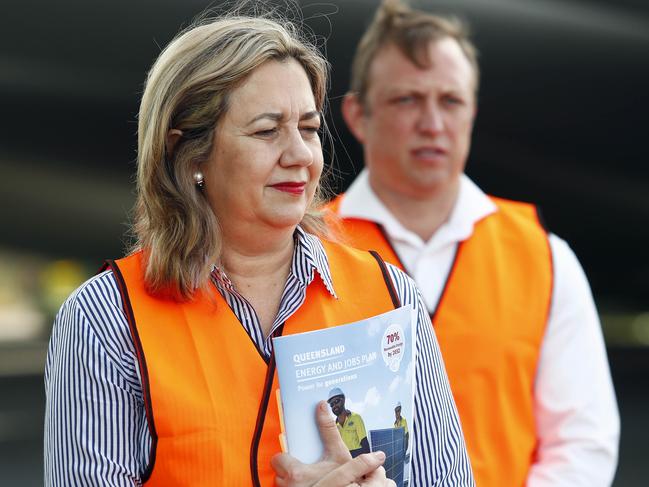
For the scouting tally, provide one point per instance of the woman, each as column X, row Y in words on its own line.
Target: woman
column 160, row 368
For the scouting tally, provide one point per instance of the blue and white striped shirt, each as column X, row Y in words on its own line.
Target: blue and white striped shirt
column 96, row 431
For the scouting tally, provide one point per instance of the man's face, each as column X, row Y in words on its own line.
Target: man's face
column 337, row 404
column 416, row 124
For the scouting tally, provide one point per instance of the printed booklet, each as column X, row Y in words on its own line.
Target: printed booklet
column 365, row 371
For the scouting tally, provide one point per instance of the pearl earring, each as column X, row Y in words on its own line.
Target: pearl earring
column 199, row 180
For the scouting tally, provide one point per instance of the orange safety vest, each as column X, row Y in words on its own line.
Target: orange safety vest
column 490, row 321
column 209, row 393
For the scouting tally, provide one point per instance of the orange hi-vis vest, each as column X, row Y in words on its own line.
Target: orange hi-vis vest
column 210, row 395
column 489, row 321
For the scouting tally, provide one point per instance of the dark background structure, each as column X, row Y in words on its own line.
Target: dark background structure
column 562, row 122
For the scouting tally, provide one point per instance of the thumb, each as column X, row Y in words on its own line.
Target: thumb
column 285, row 465
column 334, row 448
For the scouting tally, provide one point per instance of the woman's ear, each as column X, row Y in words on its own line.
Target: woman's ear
column 173, row 136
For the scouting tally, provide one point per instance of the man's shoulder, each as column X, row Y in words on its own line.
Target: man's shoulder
column 509, row 205
column 521, row 215
column 353, row 420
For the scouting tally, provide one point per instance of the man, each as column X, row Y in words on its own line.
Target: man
column 350, row 425
column 400, row 422
column 511, row 306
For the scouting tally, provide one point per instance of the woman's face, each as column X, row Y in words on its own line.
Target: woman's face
column 266, row 162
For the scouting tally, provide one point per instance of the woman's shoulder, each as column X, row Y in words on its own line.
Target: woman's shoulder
column 99, row 289
column 405, row 286
column 91, row 327
column 96, row 303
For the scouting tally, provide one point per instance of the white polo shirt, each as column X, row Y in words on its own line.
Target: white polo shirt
column 576, row 412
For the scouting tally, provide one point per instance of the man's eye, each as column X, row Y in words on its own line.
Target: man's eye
column 404, row 100
column 453, row 100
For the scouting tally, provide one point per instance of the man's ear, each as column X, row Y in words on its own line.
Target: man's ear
column 173, row 136
column 354, row 116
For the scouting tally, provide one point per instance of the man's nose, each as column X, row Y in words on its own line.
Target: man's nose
column 431, row 120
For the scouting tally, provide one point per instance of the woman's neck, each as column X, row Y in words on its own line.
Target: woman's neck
column 240, row 265
column 257, row 254
column 258, row 266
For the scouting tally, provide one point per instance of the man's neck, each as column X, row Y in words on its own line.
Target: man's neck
column 343, row 416
column 422, row 216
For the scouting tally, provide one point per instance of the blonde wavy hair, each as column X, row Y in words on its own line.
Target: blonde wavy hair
column 188, row 89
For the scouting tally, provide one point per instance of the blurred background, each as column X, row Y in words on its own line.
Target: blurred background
column 562, row 122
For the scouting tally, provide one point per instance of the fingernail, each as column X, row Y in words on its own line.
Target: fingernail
column 379, row 455
column 323, row 406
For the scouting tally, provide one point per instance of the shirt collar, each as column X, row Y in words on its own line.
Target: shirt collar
column 472, row 205
column 308, row 256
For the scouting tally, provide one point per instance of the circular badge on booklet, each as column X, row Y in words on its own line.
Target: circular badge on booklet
column 392, row 346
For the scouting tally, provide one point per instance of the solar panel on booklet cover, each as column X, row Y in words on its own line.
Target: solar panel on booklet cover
column 390, row 442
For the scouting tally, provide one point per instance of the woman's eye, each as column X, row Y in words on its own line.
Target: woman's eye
column 310, row 130
column 266, row 132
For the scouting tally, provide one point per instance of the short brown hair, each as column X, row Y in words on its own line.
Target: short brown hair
column 411, row 31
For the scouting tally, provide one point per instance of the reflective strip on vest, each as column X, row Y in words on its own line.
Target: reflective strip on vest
column 209, row 393
column 490, row 323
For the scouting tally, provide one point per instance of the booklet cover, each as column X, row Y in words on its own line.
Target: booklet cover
column 365, row 371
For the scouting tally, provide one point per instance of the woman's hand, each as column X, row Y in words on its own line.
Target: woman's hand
column 363, row 471
column 336, row 469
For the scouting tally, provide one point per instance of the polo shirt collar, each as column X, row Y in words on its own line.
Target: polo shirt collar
column 471, row 206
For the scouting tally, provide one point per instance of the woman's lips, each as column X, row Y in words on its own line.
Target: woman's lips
column 290, row 187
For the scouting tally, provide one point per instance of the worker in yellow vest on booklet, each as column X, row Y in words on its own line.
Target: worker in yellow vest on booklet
column 350, row 425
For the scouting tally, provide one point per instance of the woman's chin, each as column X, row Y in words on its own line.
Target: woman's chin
column 284, row 220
